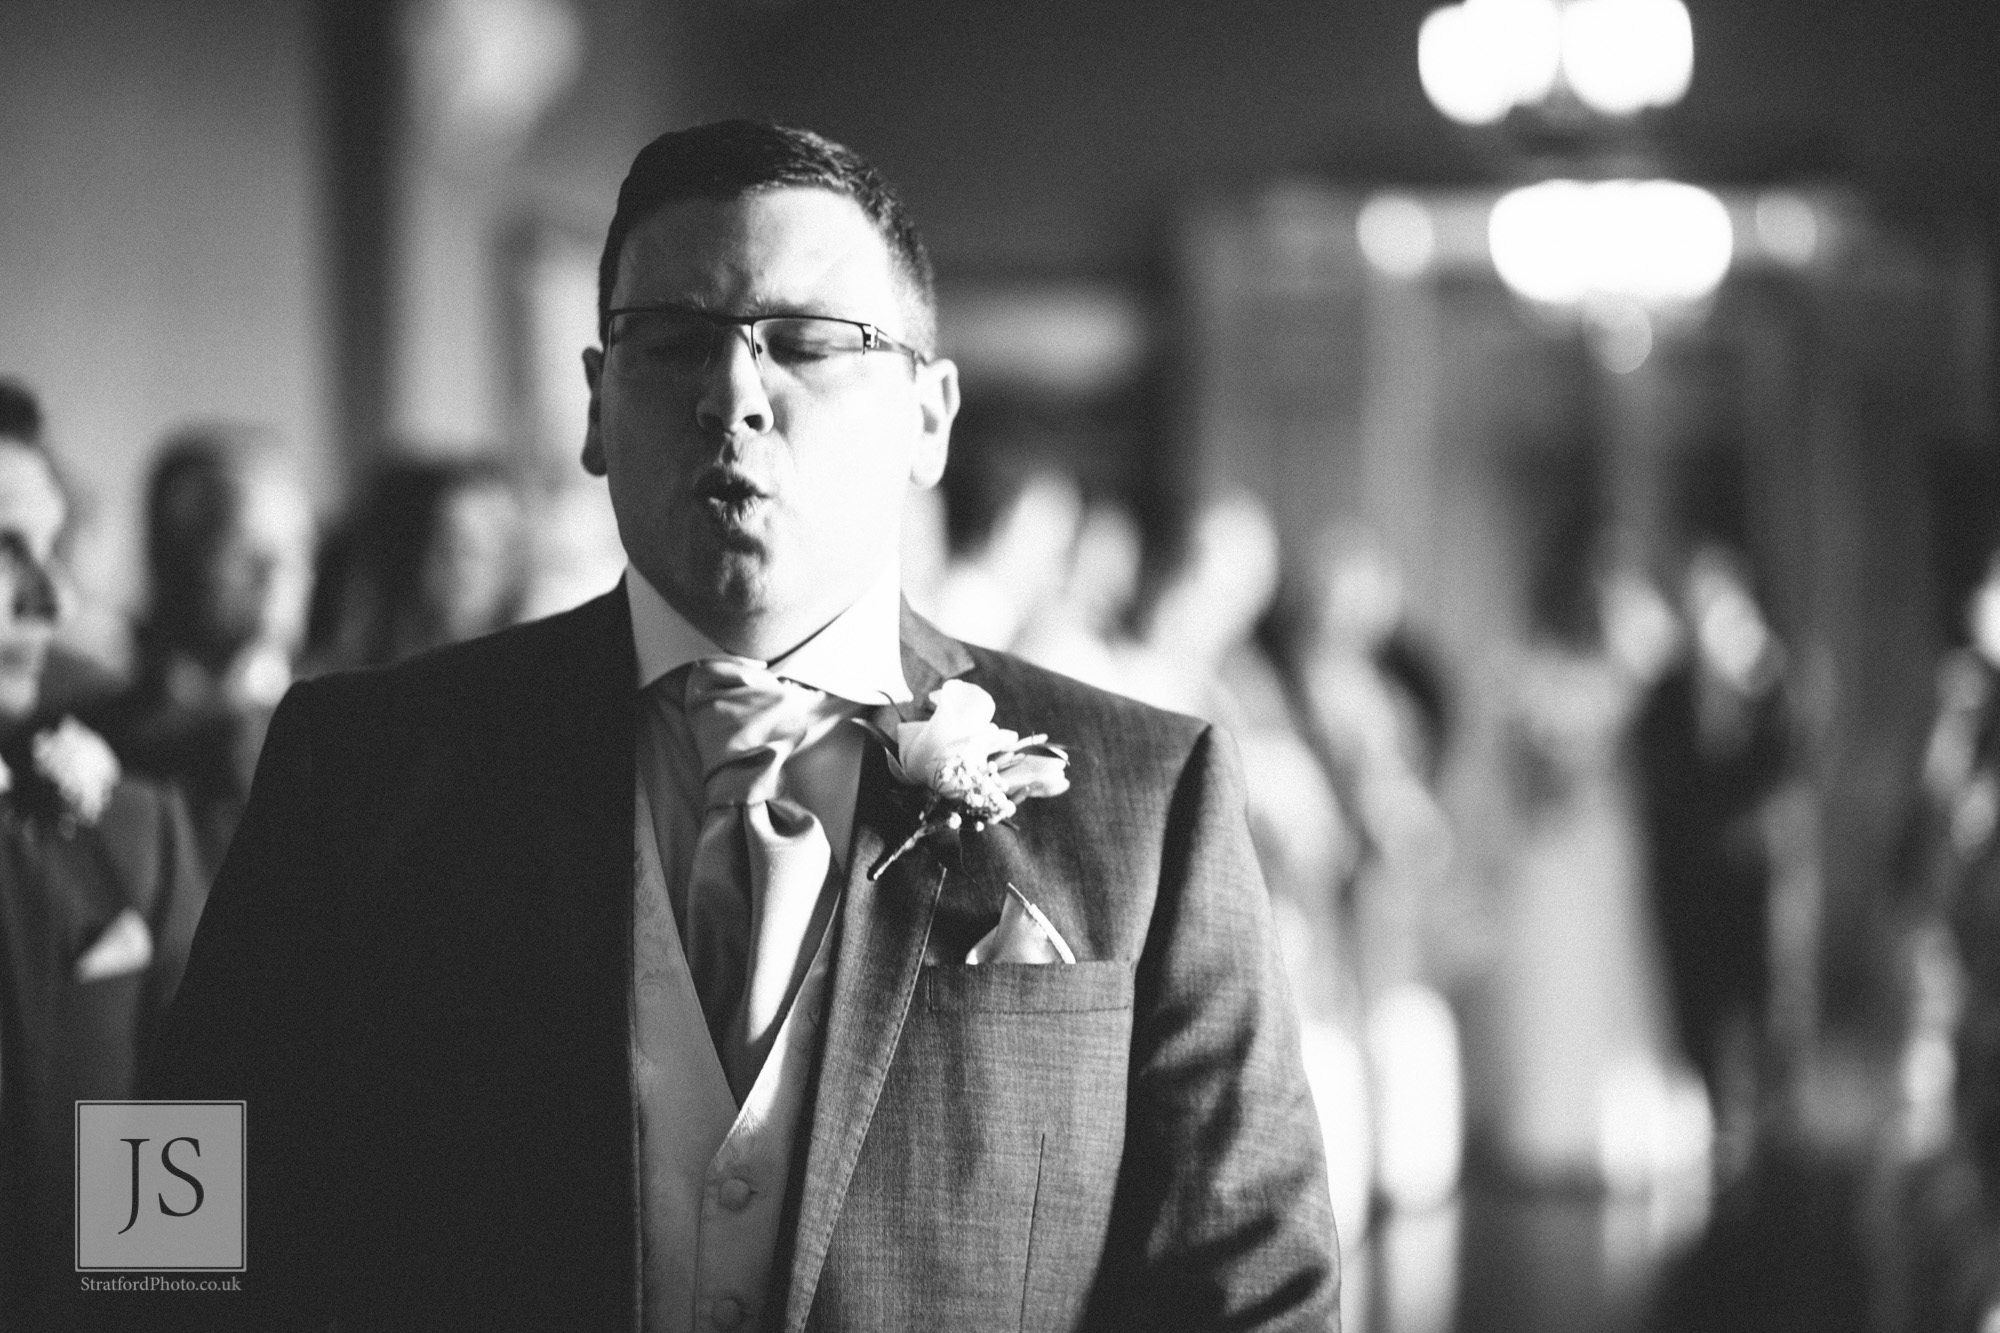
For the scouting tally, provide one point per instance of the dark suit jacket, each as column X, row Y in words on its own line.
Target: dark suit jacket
column 207, row 754
column 415, row 968
column 63, row 1039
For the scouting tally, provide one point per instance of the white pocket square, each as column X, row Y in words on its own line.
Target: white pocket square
column 1024, row 935
column 125, row 946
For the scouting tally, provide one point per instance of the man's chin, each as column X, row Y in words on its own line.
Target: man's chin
column 729, row 583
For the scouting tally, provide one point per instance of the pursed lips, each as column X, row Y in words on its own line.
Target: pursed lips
column 729, row 494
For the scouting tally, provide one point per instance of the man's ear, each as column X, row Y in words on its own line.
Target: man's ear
column 593, row 437
column 937, row 404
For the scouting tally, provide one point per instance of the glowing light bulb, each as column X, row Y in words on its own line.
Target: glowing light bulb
column 1455, row 73
column 1479, row 59
column 1676, row 240
column 1396, row 235
column 1621, row 56
column 1524, row 39
column 1657, row 243
column 1787, row 228
column 1535, row 235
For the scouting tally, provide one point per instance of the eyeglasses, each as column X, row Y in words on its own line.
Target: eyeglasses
column 674, row 344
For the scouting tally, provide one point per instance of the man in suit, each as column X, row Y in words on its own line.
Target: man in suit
column 229, row 549
column 587, row 977
column 98, row 899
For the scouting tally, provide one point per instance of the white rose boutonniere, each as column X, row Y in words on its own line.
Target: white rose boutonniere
column 80, row 766
column 972, row 770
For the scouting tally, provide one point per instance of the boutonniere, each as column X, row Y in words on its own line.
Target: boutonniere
column 971, row 771
column 75, row 764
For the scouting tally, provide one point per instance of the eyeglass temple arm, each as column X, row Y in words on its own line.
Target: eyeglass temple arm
column 874, row 340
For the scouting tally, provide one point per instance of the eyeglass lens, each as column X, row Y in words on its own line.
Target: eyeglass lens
column 653, row 344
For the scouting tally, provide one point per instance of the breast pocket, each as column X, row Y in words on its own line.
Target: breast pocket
column 1026, row 988
column 1014, row 1044
column 999, row 1135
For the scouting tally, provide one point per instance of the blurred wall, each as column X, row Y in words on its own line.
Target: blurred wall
column 478, row 147
column 217, row 206
column 265, row 210
column 509, row 125
column 1038, row 134
column 159, row 236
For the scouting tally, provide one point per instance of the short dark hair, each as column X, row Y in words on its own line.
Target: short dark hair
column 370, row 604
column 728, row 159
column 21, row 423
column 194, row 492
column 20, row 414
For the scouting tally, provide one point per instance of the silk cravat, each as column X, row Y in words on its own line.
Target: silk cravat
column 760, row 860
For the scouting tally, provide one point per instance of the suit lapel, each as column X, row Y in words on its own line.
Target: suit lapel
column 883, row 927
column 929, row 657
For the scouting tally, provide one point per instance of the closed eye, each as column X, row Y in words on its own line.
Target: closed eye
column 803, row 341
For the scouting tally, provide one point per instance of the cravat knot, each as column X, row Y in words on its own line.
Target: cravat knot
column 746, row 723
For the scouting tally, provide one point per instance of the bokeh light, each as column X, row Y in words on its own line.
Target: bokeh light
column 1787, row 227
column 1480, row 59
column 1396, row 235
column 1654, row 242
column 1622, row 56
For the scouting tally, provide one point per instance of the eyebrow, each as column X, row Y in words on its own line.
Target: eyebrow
column 752, row 310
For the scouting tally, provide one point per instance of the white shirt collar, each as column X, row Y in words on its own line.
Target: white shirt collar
column 858, row 656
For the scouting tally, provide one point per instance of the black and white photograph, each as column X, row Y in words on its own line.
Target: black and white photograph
column 833, row 666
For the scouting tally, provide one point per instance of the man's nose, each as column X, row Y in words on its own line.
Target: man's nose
column 733, row 400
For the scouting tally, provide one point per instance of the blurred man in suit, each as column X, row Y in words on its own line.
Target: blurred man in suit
column 229, row 550
column 98, row 899
column 590, row 976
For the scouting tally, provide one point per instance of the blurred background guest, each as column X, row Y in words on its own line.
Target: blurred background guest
column 99, row 895
column 1592, row 1087
column 1011, row 508
column 1712, row 748
column 1949, row 1215
column 1196, row 652
column 1078, row 631
column 1378, row 713
column 230, row 536
column 433, row 556
column 1195, row 623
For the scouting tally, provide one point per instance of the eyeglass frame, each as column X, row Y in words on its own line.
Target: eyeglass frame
column 872, row 337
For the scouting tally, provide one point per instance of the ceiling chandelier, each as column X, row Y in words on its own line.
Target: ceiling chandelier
column 1623, row 254
column 1480, row 59
column 1565, row 242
